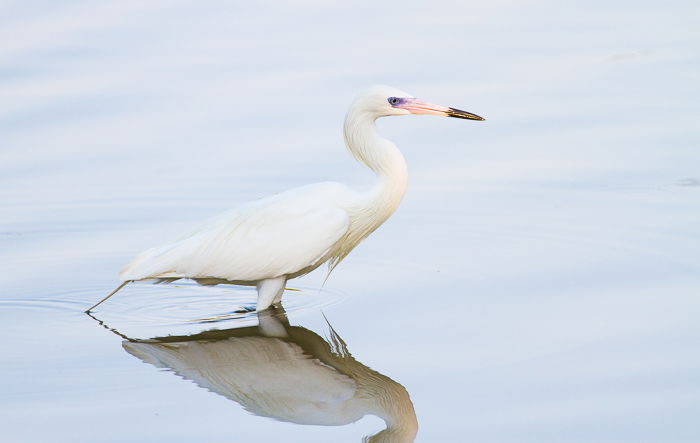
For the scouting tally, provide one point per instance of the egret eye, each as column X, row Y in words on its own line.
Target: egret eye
column 394, row 101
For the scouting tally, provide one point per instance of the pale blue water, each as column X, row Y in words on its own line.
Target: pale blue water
column 540, row 281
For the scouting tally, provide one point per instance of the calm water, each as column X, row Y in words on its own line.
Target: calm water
column 540, row 281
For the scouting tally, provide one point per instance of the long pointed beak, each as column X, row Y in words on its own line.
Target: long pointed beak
column 415, row 106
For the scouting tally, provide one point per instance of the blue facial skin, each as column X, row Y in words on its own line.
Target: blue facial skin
column 396, row 101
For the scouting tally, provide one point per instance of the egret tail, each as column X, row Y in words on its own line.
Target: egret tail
column 124, row 283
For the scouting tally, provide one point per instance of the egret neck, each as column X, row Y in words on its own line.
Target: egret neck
column 382, row 157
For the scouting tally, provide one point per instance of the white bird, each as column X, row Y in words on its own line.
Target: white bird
column 268, row 241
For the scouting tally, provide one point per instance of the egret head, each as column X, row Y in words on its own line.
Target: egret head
column 382, row 101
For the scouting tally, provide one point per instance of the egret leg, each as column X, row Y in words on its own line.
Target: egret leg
column 124, row 283
column 270, row 291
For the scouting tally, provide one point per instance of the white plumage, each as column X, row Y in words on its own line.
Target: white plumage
column 274, row 236
column 266, row 242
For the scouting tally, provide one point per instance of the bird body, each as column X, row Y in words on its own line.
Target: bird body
column 279, row 235
column 268, row 241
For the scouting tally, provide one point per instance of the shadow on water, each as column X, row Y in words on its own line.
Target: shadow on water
column 284, row 372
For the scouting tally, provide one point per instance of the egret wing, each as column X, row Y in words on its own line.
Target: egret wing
column 265, row 239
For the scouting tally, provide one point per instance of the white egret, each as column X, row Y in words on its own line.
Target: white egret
column 268, row 241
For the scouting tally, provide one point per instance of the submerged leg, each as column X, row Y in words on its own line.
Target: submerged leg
column 124, row 283
column 270, row 291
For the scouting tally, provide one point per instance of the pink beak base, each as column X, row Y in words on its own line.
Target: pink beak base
column 419, row 107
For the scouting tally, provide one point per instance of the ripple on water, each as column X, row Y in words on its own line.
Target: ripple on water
column 144, row 310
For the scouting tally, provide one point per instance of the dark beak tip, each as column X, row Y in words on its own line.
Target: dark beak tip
column 458, row 113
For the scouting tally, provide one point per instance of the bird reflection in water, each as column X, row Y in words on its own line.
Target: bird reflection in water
column 287, row 373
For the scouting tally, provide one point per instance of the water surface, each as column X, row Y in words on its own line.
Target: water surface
column 539, row 282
